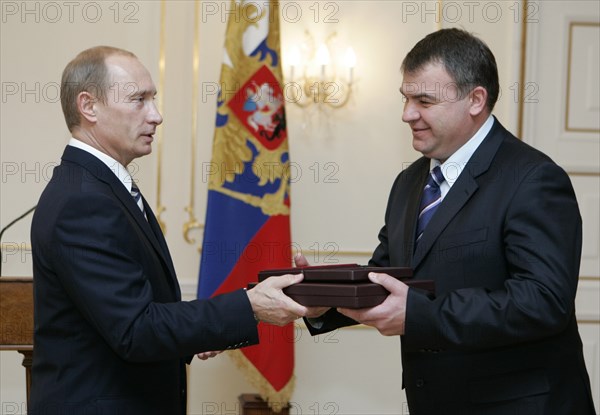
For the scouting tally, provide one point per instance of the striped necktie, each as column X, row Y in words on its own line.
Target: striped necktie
column 432, row 197
column 137, row 196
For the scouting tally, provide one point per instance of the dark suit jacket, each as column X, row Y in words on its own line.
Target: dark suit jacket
column 111, row 334
column 504, row 246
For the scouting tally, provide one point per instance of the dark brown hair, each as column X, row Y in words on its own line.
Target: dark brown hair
column 466, row 58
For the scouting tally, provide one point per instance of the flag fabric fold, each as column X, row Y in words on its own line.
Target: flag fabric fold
column 247, row 225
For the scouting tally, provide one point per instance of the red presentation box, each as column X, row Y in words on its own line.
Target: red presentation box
column 263, row 275
column 345, row 285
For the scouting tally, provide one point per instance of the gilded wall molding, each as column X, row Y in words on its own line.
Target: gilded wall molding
column 192, row 222
column 523, row 57
column 160, row 103
column 568, row 127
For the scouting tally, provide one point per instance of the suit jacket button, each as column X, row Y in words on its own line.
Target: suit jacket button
column 420, row 383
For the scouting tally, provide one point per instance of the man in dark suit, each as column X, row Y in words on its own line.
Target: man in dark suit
column 111, row 334
column 503, row 245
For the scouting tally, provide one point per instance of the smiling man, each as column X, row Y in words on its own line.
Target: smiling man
column 441, row 116
column 112, row 335
column 495, row 223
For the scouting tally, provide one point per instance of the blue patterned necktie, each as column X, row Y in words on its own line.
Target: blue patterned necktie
column 432, row 197
column 137, row 196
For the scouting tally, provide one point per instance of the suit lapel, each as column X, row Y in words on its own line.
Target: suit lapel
column 101, row 172
column 157, row 232
column 412, row 210
column 460, row 193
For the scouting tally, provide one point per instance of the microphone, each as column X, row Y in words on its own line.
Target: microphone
column 7, row 227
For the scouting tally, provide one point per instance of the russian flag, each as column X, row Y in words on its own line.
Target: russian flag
column 247, row 227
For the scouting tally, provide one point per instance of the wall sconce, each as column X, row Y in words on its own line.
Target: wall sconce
column 318, row 82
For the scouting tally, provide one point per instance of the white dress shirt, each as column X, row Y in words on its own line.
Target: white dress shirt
column 117, row 168
column 453, row 167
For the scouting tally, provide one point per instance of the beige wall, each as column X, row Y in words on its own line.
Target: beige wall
column 363, row 145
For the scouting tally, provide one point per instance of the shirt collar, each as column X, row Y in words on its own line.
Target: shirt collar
column 455, row 164
column 117, row 168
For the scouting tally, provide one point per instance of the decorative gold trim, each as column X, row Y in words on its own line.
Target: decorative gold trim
column 570, row 52
column 23, row 246
column 320, row 253
column 273, row 397
column 323, row 253
column 521, row 101
column 365, row 327
column 582, row 173
column 192, row 222
column 160, row 103
column 27, row 247
column 355, row 253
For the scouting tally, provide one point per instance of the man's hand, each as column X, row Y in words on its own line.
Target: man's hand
column 300, row 260
column 313, row 312
column 271, row 305
column 208, row 355
column 388, row 317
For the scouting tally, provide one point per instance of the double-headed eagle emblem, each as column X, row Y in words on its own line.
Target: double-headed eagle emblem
column 250, row 149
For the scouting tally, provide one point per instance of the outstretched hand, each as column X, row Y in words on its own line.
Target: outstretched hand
column 313, row 312
column 271, row 305
column 208, row 355
column 300, row 260
column 388, row 317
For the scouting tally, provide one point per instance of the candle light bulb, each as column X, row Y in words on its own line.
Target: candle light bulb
column 294, row 60
column 294, row 56
column 350, row 58
column 322, row 56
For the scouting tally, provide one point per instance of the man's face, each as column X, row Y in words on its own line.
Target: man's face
column 127, row 121
column 438, row 116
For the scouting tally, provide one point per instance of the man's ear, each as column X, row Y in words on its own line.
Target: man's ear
column 478, row 100
column 86, row 104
